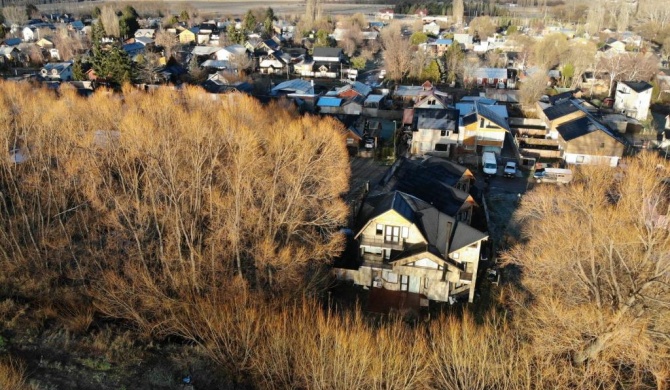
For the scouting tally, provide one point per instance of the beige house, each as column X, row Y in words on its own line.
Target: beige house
column 406, row 244
column 578, row 136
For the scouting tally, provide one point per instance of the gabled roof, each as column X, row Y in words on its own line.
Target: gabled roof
column 360, row 88
column 431, row 180
column 442, row 232
column 294, row 86
column 584, row 125
column 133, row 47
column 492, row 114
column 638, row 86
column 326, row 52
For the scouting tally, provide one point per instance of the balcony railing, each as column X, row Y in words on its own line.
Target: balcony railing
column 380, row 242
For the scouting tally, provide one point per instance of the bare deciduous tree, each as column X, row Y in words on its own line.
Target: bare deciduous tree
column 458, row 9
column 595, row 261
column 15, row 15
column 167, row 40
column 110, row 21
column 397, row 52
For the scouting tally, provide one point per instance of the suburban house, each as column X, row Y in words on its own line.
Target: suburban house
column 431, row 28
column 29, row 33
column 436, row 131
column 577, row 136
column 229, row 53
column 351, row 90
column 328, row 61
column 45, row 43
column 633, row 98
column 411, row 94
column 145, row 33
column 293, row 87
column 492, row 77
column 406, row 244
column 466, row 40
column 189, row 35
column 276, row 62
column 217, row 84
column 133, row 49
column 340, row 106
column 9, row 53
column 483, row 124
column 57, row 71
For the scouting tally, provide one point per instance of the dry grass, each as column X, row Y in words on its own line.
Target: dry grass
column 12, row 375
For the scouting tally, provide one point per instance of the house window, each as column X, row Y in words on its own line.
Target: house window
column 456, row 255
column 602, row 144
column 443, row 133
column 350, row 141
column 380, row 229
column 579, row 160
column 441, row 147
column 425, row 282
column 405, row 232
column 392, row 234
column 481, row 123
column 431, row 102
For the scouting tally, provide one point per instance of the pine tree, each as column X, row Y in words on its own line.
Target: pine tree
column 128, row 23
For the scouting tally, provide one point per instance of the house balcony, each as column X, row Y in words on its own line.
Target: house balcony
column 380, row 242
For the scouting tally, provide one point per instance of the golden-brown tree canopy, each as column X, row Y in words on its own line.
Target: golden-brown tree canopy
column 596, row 264
column 167, row 191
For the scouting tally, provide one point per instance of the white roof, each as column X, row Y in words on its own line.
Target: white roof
column 204, row 50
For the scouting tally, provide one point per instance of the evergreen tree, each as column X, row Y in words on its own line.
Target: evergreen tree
column 234, row 35
column 184, row 16
column 128, row 23
column 431, row 72
column 249, row 22
column 78, row 69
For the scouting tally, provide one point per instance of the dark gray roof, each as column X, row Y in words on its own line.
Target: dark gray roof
column 486, row 112
column 576, row 128
column 638, row 86
column 463, row 236
column 431, row 180
column 326, row 52
column 442, row 119
column 560, row 110
column 441, row 231
column 469, row 119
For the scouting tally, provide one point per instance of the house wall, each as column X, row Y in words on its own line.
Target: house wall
column 634, row 104
column 369, row 238
column 469, row 258
column 186, row 37
column 593, row 145
column 424, row 140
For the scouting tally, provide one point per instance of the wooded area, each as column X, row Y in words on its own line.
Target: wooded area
column 213, row 221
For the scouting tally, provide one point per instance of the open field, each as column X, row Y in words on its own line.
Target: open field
column 224, row 7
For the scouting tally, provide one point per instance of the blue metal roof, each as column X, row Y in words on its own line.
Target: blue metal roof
column 443, row 42
column 329, row 102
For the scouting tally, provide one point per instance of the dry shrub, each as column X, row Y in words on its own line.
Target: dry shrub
column 12, row 375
